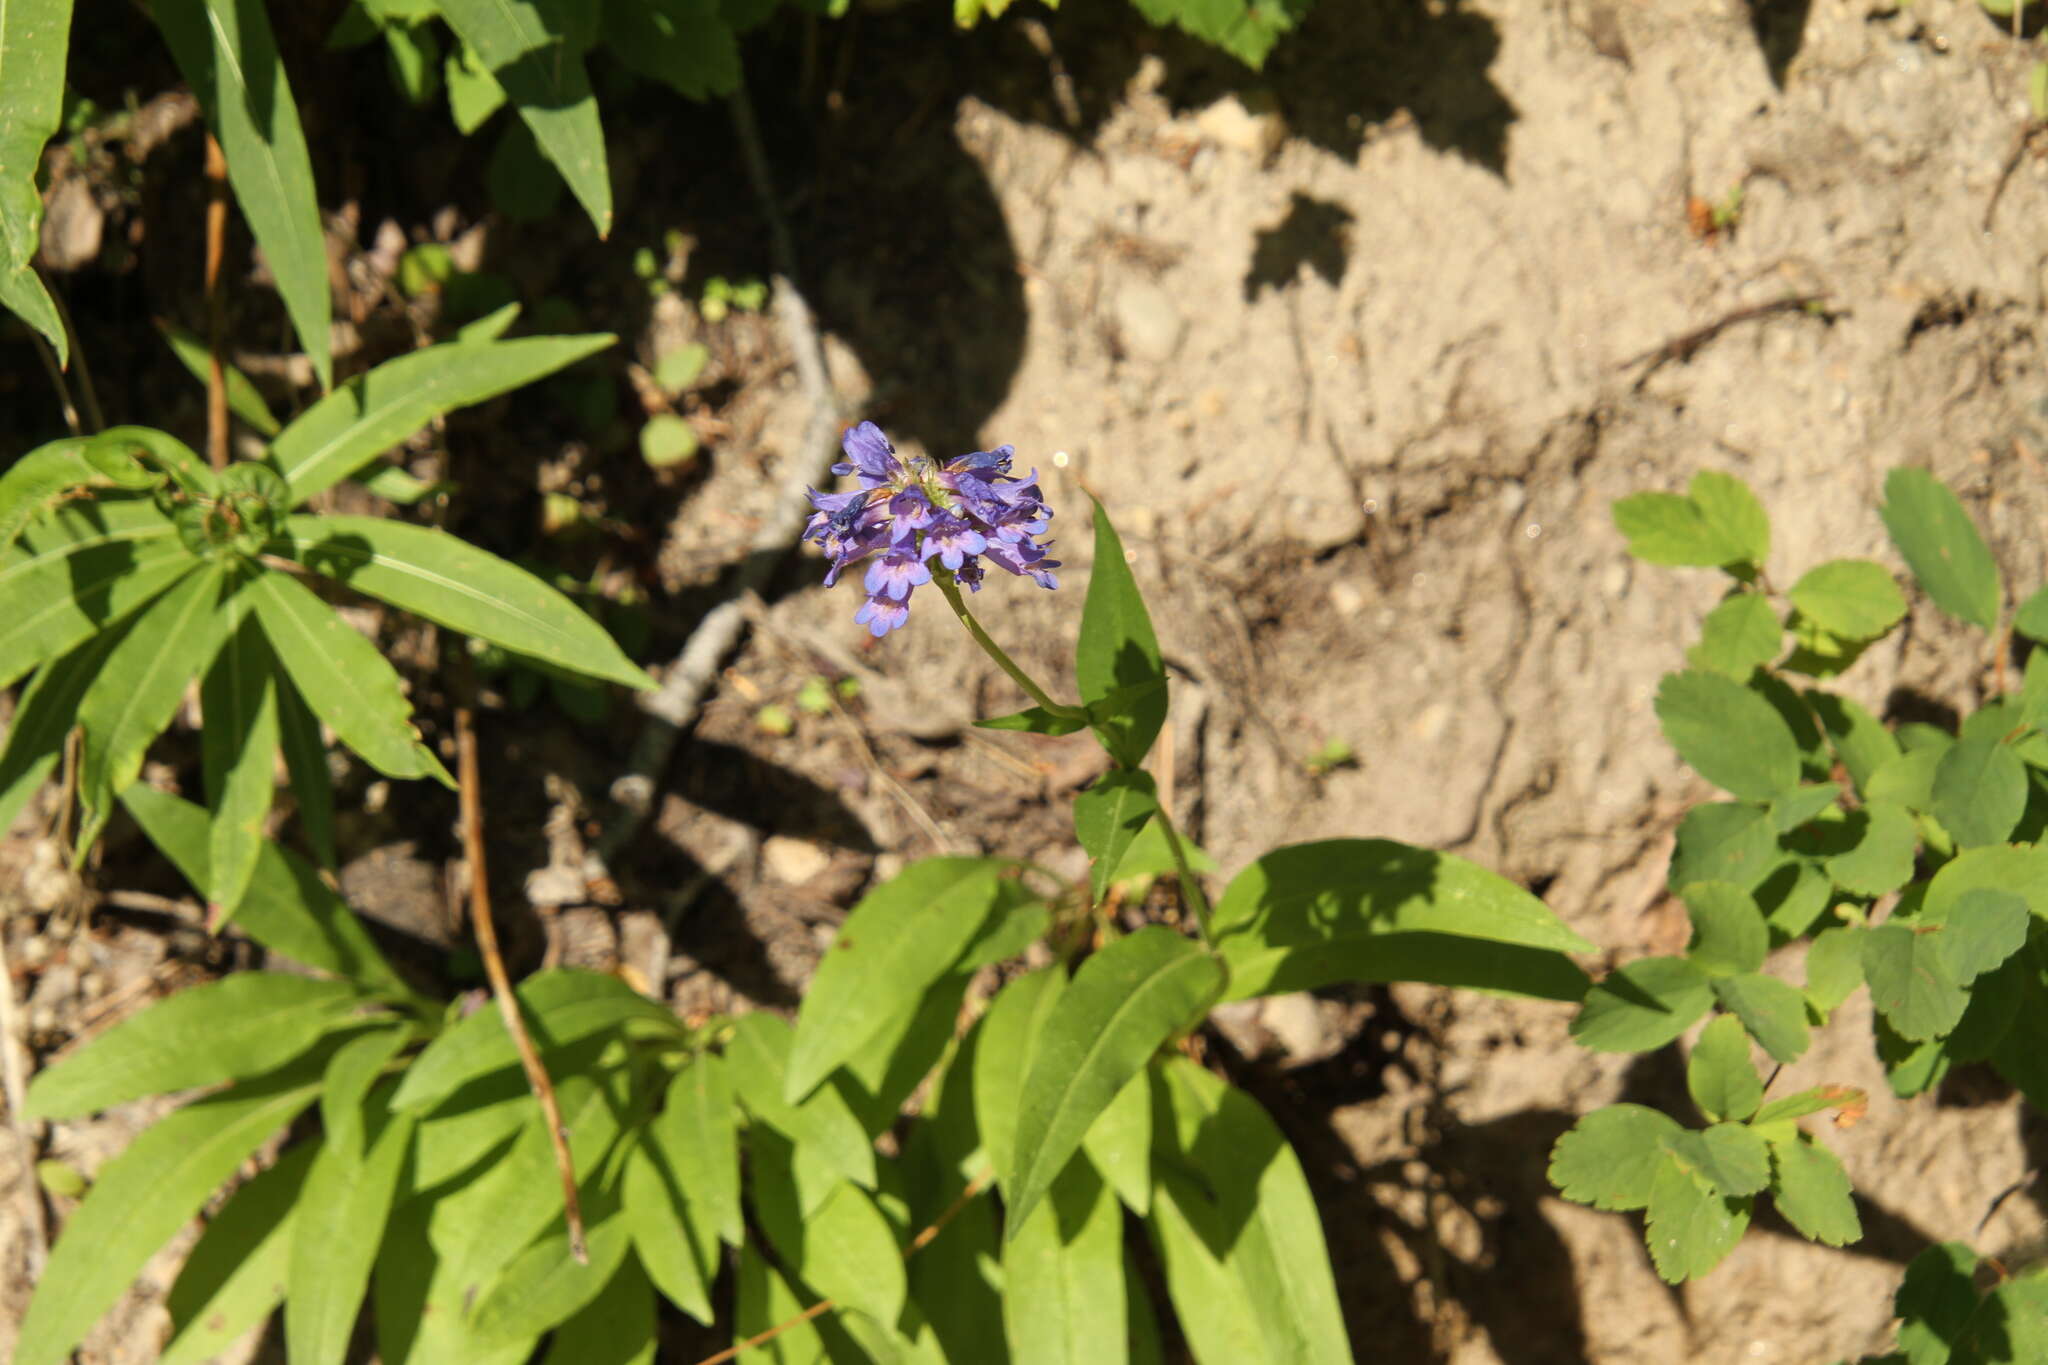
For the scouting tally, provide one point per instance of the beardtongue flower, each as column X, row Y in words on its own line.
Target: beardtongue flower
column 906, row 513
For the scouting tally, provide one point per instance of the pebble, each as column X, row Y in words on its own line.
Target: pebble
column 792, row 861
column 1248, row 123
column 1148, row 320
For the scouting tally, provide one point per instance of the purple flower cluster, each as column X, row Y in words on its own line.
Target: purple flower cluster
column 908, row 512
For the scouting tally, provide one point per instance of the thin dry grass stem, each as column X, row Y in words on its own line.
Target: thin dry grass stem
column 216, row 312
column 501, row 984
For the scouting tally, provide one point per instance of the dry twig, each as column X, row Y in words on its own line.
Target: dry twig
column 2021, row 141
column 216, row 311
column 1684, row 346
column 14, row 1078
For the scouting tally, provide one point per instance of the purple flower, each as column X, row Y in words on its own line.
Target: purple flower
column 909, row 512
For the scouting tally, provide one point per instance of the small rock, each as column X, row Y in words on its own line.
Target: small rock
column 48, row 882
column 1248, row 123
column 792, row 861
column 555, row 886
column 1296, row 1022
column 1148, row 320
column 72, row 225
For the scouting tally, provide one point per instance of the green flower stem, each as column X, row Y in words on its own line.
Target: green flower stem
column 944, row 578
column 1190, row 887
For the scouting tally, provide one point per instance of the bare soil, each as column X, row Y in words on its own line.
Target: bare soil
column 1358, row 351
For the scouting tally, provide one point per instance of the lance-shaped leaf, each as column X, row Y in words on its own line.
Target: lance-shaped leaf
column 336, row 1230
column 1006, row 1041
column 902, row 937
column 79, row 573
column 544, row 1285
column 1940, row 542
column 1064, row 1274
column 47, row 712
column 1123, row 1004
column 757, row 1060
column 443, row 578
column 235, row 1275
column 350, row 427
column 1214, row 1310
column 241, row 1026
column 140, row 1200
column 142, row 681
column 238, row 747
column 615, row 1328
column 1120, row 1145
column 342, row 676
column 243, row 399
column 696, row 1138
column 228, row 53
column 1643, row 1006
column 1373, row 910
column 1116, row 652
column 531, row 47
column 48, row 475
column 664, row 1235
column 305, row 762
column 33, row 37
column 1108, row 817
column 843, row 1248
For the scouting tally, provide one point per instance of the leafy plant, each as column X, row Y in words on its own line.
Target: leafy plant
column 1908, row 858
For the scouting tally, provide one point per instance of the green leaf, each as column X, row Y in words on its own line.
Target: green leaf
column 1935, row 1301
column 1729, row 934
column 757, row 1058
column 1151, row 856
column 2022, row 870
column 893, row 946
column 659, row 1222
column 1812, row 1190
column 473, row 92
column 696, row 1138
column 288, row 909
column 1794, row 897
column 879, row 1081
column 1108, row 816
column 140, row 1200
column 1730, row 735
column 763, row 1300
column 241, row 1026
column 1910, row 980
column 1120, row 1145
column 1008, row 1041
column 2032, row 617
column 1610, row 1157
column 843, row 1248
column 305, row 761
column 1978, row 931
column 140, row 684
column 1941, row 545
column 1728, row 1156
column 1882, row 860
column 1738, row 637
column 443, row 578
column 1723, row 1082
column 1859, row 738
column 1259, row 1217
column 82, row 572
column 1214, row 1311
column 2011, row 1324
column 243, row 399
column 1116, row 649
column 1803, row 805
column 235, row 1275
column 530, row 47
column 615, row 1328
column 1690, row 1226
column 356, row 423
column 342, row 676
column 1643, row 1006
column 355, row 1068
column 1773, row 1011
column 543, row 1285
column 1855, row 599
column 1834, row 968
column 1034, row 720
column 337, row 1225
column 228, row 53
column 1806, row 1102
column 1243, row 28
column 1723, row 841
column 33, row 38
column 684, row 43
column 1123, row 1004
column 238, row 744
column 43, row 720
column 1063, row 1273
column 1352, row 909
column 42, row 479
column 1720, row 523
column 1908, row 780
column 1020, row 919
column 561, row 1006
column 1980, row 791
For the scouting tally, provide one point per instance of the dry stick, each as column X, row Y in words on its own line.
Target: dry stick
column 501, row 984
column 14, row 1077
column 2020, row 142
column 216, row 314
column 917, row 1244
column 1683, row 346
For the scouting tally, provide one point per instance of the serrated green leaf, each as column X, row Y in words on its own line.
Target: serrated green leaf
column 141, row 682
column 531, row 48
column 1738, row 636
column 1882, row 860
column 235, row 1275
column 1979, row 791
column 1370, row 909
column 1108, row 817
column 305, row 761
column 238, row 747
column 1007, row 1039
column 1723, row 1082
column 243, row 398
column 1855, row 599
column 1812, row 1190
column 139, row 1201
column 1834, row 967
column 893, row 946
column 757, row 1058
column 1689, row 1226
column 1123, row 1004
column 1117, row 650
column 2022, row 870
column 685, row 43
column 1732, row 512
column 1803, row 805
column 244, row 1025
column 1723, row 841
column 616, row 1328
column 1610, row 1157
column 1935, row 1301
column 1910, row 1068
column 288, row 909
column 33, row 39
column 561, row 1006
column 1243, row 28
column 1728, row 734
column 1979, row 930
column 342, row 677
column 1719, row 523
column 1730, row 1157
column 1996, row 998
column 543, row 1286
column 229, row 55
column 446, row 579
column 1794, row 897
column 1859, row 738
column 1941, row 545
column 1773, row 1011
column 1643, row 1006
column 1064, row 1273
column 659, row 1221
column 1910, row 980
column 1908, row 779
column 1120, row 1145
column 843, row 1247
column 373, row 412
column 1729, row 934
column 336, row 1228
column 1806, row 1102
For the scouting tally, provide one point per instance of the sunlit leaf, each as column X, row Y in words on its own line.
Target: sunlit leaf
column 1116, row 650
column 33, row 37
column 1941, row 544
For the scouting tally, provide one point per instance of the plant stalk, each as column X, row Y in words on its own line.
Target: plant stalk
column 1190, row 888
column 947, row 585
